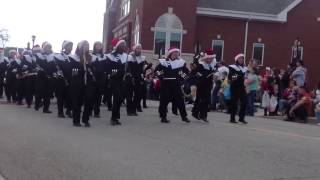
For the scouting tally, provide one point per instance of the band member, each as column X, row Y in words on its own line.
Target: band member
column 99, row 63
column 204, row 73
column 62, row 79
column 44, row 81
column 4, row 61
column 116, row 64
column 172, row 71
column 82, row 84
column 236, row 77
column 135, row 80
column 11, row 77
column 28, row 75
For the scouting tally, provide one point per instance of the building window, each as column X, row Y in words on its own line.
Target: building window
column 218, row 48
column 125, row 8
column 160, row 43
column 168, row 32
column 136, row 36
column 258, row 53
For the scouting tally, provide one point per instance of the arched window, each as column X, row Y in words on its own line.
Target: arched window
column 136, row 35
column 168, row 32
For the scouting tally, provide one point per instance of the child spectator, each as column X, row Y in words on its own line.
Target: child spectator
column 301, row 108
column 252, row 83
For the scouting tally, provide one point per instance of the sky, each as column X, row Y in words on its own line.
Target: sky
column 52, row 20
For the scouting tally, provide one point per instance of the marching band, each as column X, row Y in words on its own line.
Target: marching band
column 82, row 81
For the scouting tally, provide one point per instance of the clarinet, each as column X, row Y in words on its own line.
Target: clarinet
column 60, row 74
column 85, row 69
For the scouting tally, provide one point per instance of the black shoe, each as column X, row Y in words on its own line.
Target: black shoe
column 139, row 110
column 29, row 106
column 204, row 119
column 20, row 103
column 132, row 114
column 47, row 111
column 36, row 108
column 69, row 114
column 165, row 121
column 97, row 116
column 185, row 119
column 175, row 113
column 61, row 116
column 233, row 122
column 145, row 106
column 115, row 122
column 243, row 121
column 76, row 124
column 195, row 116
column 87, row 125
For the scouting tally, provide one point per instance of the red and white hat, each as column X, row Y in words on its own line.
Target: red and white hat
column 207, row 55
column 172, row 50
column 134, row 47
column 239, row 56
column 116, row 42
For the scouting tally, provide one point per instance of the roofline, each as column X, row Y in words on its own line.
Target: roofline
column 282, row 17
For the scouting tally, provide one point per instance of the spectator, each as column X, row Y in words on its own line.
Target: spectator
column 287, row 97
column 252, row 83
column 224, row 94
column 299, row 74
column 267, row 86
column 284, row 80
column 317, row 94
column 300, row 109
column 317, row 110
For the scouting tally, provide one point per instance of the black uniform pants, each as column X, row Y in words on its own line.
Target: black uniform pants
column 201, row 105
column 117, row 93
column 82, row 96
column 238, row 95
column 20, row 90
column 62, row 95
column 1, row 86
column 10, row 90
column 29, row 89
column 100, row 89
column 44, row 90
column 107, row 96
column 170, row 91
column 130, row 95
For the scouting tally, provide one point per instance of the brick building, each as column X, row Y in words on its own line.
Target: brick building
column 262, row 29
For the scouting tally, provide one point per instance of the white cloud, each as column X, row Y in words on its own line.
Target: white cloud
column 52, row 20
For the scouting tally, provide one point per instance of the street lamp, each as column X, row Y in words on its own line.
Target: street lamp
column 33, row 37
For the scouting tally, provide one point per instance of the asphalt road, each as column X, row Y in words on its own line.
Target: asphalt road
column 35, row 146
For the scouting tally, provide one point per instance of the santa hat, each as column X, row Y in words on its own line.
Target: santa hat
column 172, row 50
column 65, row 44
column 116, row 42
column 134, row 47
column 239, row 56
column 207, row 55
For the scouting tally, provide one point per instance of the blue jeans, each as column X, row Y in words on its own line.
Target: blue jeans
column 250, row 102
column 318, row 116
